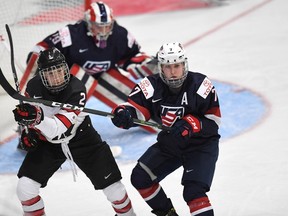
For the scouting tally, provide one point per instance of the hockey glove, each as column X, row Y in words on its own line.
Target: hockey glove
column 30, row 140
column 141, row 66
column 27, row 114
column 122, row 117
column 185, row 127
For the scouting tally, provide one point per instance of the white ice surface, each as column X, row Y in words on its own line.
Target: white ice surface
column 244, row 43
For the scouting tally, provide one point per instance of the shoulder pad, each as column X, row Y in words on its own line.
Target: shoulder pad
column 65, row 37
column 131, row 40
column 205, row 88
column 146, row 87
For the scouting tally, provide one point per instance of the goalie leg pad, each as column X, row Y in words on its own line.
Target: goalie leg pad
column 89, row 81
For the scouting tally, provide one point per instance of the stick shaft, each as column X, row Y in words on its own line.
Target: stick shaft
column 16, row 95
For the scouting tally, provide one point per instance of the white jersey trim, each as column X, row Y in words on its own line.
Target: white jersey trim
column 205, row 88
column 146, row 87
column 65, row 37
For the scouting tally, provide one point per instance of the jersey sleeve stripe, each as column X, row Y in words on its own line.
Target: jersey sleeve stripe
column 145, row 112
column 64, row 120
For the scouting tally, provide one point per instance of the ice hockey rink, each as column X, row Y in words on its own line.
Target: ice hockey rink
column 242, row 47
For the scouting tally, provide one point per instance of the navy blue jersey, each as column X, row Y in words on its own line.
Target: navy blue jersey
column 152, row 98
column 79, row 47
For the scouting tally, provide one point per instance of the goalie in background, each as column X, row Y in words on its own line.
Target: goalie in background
column 56, row 135
column 96, row 49
column 186, row 102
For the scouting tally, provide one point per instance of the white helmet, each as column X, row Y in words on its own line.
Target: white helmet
column 172, row 53
column 99, row 16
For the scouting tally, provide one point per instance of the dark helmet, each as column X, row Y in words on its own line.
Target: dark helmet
column 53, row 70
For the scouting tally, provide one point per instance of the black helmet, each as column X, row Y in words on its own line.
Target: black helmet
column 53, row 70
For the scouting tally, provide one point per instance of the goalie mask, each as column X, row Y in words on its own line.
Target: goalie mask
column 53, row 70
column 100, row 21
column 170, row 54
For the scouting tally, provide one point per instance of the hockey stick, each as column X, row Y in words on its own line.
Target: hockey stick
column 14, row 94
column 16, row 81
column 14, row 72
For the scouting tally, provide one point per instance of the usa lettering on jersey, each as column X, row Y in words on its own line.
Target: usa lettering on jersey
column 93, row 67
column 170, row 114
column 205, row 88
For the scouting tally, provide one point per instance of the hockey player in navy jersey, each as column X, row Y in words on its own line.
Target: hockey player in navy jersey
column 96, row 49
column 186, row 102
column 55, row 135
column 97, row 46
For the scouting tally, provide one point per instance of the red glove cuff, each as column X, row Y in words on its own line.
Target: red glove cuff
column 194, row 122
column 117, row 108
column 139, row 58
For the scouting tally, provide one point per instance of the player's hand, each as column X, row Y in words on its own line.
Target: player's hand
column 122, row 117
column 30, row 140
column 142, row 65
column 27, row 114
column 186, row 127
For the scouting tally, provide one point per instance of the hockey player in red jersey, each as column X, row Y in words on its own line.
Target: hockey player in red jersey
column 56, row 135
column 186, row 102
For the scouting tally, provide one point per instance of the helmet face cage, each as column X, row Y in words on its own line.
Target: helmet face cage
column 99, row 18
column 172, row 53
column 55, row 78
column 53, row 70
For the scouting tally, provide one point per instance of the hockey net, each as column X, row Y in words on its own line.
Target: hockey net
column 31, row 21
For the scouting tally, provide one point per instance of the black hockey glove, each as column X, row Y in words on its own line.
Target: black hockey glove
column 185, row 127
column 27, row 114
column 30, row 140
column 175, row 140
column 122, row 117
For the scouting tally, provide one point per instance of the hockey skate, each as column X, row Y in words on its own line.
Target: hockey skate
column 171, row 212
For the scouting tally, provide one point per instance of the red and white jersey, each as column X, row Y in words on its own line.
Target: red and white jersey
column 59, row 125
